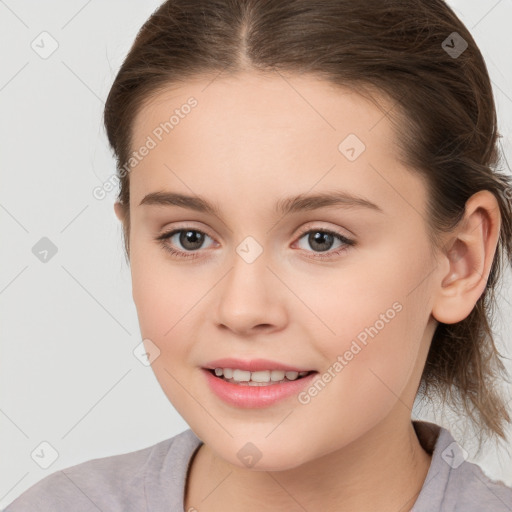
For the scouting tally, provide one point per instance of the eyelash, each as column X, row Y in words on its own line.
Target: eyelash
column 194, row 254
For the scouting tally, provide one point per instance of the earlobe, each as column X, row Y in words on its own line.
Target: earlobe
column 469, row 259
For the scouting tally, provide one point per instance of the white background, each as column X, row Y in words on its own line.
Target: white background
column 67, row 372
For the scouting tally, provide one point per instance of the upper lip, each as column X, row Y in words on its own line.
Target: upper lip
column 252, row 365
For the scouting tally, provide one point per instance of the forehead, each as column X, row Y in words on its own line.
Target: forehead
column 248, row 130
column 300, row 103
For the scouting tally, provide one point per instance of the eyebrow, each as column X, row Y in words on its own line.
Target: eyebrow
column 285, row 206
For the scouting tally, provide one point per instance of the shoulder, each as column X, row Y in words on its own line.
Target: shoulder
column 454, row 484
column 470, row 489
column 114, row 483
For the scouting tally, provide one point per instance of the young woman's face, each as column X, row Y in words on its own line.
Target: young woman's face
column 265, row 277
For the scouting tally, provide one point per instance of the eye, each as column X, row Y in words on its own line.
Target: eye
column 190, row 239
column 322, row 240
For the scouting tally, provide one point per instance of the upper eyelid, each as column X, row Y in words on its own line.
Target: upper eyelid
column 311, row 225
column 315, row 227
column 172, row 231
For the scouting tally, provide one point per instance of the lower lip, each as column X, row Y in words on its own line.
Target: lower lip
column 255, row 397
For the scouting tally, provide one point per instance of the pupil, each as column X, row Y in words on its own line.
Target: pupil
column 191, row 237
column 318, row 239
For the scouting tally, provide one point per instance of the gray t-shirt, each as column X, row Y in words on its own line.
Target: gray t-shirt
column 153, row 479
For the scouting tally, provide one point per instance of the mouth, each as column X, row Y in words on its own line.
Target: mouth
column 258, row 378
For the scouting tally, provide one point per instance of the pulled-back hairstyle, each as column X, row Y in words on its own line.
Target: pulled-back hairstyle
column 443, row 113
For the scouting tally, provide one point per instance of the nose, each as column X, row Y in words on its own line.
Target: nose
column 251, row 299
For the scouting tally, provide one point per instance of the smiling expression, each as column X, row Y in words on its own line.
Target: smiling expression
column 290, row 249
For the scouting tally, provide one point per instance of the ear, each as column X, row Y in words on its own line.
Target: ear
column 119, row 210
column 469, row 258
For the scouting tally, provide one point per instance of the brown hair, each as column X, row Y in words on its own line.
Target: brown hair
column 443, row 112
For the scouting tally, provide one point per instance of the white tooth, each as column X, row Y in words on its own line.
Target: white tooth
column 241, row 375
column 261, row 376
column 276, row 375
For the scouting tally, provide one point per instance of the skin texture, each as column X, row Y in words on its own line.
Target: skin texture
column 251, row 140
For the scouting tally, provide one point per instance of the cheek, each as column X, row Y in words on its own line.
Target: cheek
column 375, row 316
column 164, row 296
column 367, row 291
column 369, row 369
column 164, row 305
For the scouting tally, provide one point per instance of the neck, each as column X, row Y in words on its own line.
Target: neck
column 382, row 470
